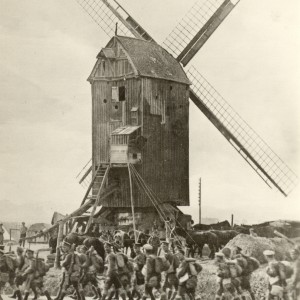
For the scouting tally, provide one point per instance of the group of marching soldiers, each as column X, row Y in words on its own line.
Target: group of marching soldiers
column 169, row 272
column 23, row 270
column 234, row 275
column 126, row 277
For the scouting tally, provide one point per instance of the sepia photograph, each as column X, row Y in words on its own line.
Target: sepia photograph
column 150, row 150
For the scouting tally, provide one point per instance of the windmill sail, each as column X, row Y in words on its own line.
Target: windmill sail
column 106, row 13
column 240, row 135
column 188, row 37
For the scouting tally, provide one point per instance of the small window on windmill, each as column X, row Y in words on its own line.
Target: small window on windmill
column 118, row 93
column 134, row 115
column 103, row 67
column 115, row 94
column 122, row 93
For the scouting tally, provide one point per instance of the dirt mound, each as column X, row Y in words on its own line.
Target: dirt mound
column 255, row 246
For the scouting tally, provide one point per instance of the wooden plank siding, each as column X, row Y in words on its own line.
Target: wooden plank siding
column 162, row 108
column 165, row 156
column 106, row 118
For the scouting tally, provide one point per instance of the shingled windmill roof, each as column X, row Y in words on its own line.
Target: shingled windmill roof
column 151, row 60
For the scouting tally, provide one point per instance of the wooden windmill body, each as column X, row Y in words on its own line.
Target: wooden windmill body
column 140, row 115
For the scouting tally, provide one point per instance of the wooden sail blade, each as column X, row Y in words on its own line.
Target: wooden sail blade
column 189, row 36
column 241, row 136
column 106, row 13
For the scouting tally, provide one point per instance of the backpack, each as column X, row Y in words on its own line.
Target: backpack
column 198, row 267
column 120, row 260
column 273, row 270
column 235, row 270
column 10, row 262
column 253, row 264
column 41, row 267
column 97, row 262
column 289, row 271
column 161, row 264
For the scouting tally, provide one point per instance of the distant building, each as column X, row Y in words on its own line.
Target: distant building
column 13, row 229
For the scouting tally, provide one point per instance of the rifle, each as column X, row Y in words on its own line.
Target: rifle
column 69, row 271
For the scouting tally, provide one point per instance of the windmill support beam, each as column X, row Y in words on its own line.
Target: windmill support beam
column 230, row 137
column 85, row 175
column 82, row 209
column 205, row 32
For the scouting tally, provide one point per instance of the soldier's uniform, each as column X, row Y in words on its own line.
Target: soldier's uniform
column 112, row 276
column 71, row 272
column 20, row 260
column 171, row 279
column 138, row 278
column 187, row 276
column 152, row 278
column 27, row 272
column 296, row 279
column 154, row 241
column 1, row 234
column 6, row 270
column 90, row 264
column 225, row 280
column 277, row 278
column 124, row 272
column 38, row 282
column 245, row 262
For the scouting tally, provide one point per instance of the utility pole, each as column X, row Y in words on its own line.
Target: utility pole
column 200, row 200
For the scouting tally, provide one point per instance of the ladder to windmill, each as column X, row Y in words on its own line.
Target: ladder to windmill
column 97, row 190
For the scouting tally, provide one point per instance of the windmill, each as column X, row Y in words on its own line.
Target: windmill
column 183, row 43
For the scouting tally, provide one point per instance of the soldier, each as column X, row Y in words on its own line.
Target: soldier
column 171, row 280
column 6, row 270
column 248, row 264
column 23, row 233
column 1, row 234
column 277, row 277
column 20, row 260
column 228, row 273
column 295, row 254
column 71, row 272
column 154, row 241
column 220, row 261
column 125, row 269
column 138, row 279
column 38, row 283
column 152, row 278
column 91, row 263
column 112, row 277
column 187, row 276
column 27, row 272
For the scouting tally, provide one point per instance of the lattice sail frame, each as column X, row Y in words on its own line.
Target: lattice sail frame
column 251, row 146
column 190, row 25
column 106, row 13
column 104, row 17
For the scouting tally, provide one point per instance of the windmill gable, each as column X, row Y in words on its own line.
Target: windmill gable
column 125, row 56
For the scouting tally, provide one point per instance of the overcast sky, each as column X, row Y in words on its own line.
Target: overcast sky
column 48, row 49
